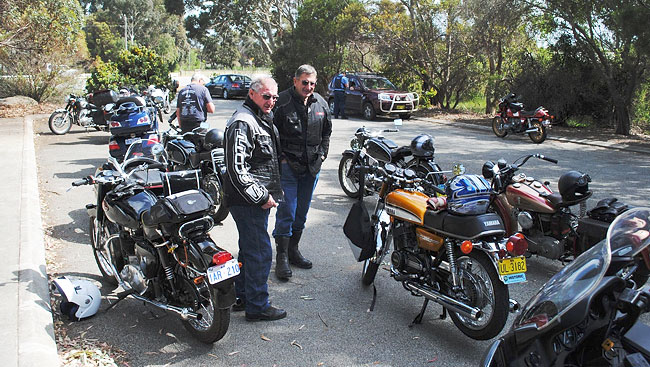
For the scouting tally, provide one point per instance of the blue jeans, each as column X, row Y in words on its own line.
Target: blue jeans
column 255, row 254
column 292, row 212
column 339, row 104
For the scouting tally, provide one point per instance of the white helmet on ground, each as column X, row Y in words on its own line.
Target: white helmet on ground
column 81, row 298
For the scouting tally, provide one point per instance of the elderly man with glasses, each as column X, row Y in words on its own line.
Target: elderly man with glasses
column 252, row 188
column 304, row 122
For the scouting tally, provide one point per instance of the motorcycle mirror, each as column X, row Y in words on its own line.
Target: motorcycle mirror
column 458, row 169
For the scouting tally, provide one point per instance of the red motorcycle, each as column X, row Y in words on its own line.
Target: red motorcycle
column 512, row 118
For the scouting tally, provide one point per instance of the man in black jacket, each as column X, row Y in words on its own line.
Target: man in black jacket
column 252, row 187
column 305, row 125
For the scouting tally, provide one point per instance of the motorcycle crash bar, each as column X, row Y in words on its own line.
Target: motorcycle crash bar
column 448, row 302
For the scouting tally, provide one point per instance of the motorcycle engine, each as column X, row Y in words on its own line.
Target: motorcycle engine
column 141, row 267
column 407, row 257
column 545, row 246
column 85, row 118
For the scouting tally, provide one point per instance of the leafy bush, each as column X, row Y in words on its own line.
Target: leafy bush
column 137, row 67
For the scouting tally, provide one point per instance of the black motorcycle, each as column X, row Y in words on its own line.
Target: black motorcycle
column 157, row 248
column 83, row 112
column 203, row 151
column 369, row 149
column 588, row 313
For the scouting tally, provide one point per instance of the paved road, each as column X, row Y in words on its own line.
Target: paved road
column 328, row 323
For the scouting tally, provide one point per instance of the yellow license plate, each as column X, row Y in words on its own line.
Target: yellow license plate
column 400, row 107
column 512, row 265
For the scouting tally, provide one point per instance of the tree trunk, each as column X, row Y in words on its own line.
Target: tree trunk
column 622, row 116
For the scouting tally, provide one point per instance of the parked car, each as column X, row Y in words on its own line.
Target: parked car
column 229, row 85
column 371, row 95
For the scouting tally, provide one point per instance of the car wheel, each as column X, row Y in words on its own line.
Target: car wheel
column 369, row 111
column 226, row 95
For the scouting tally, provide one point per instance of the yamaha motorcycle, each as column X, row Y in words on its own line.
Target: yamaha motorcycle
column 158, row 248
column 448, row 250
column 512, row 118
column 369, row 149
column 203, row 151
column 588, row 313
column 81, row 112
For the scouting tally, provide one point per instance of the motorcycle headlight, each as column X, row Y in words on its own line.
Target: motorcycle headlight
column 158, row 99
column 384, row 97
column 354, row 144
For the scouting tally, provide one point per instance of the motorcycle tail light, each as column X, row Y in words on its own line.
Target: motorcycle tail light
column 517, row 244
column 221, row 257
column 115, row 124
column 113, row 146
column 466, row 247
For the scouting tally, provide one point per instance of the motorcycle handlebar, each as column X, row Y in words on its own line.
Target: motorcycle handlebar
column 83, row 181
column 548, row 159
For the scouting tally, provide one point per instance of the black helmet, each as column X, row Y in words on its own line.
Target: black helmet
column 488, row 169
column 422, row 146
column 574, row 185
column 213, row 139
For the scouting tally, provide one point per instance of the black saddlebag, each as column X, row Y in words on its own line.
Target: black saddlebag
column 593, row 228
column 178, row 208
column 359, row 232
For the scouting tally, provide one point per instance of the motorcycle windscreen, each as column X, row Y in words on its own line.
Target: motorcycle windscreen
column 628, row 235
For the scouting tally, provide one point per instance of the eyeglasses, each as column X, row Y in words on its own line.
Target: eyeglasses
column 307, row 82
column 268, row 96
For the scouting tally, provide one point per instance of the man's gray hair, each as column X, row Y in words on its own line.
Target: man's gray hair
column 305, row 69
column 260, row 81
column 197, row 77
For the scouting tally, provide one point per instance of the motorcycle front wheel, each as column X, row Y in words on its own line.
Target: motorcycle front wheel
column 60, row 122
column 213, row 187
column 349, row 184
column 540, row 135
column 214, row 321
column 498, row 127
column 481, row 288
column 99, row 242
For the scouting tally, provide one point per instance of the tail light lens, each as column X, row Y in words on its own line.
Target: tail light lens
column 517, row 244
column 115, row 124
column 221, row 257
column 235, row 85
column 113, row 145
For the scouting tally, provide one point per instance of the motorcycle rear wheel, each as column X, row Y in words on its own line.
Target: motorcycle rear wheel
column 102, row 253
column 350, row 185
column 479, row 279
column 498, row 127
column 60, row 122
column 540, row 135
column 213, row 187
column 214, row 322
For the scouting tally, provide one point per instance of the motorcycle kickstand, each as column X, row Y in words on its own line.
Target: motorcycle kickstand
column 120, row 297
column 418, row 318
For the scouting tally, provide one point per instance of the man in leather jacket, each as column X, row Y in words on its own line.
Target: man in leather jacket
column 304, row 122
column 252, row 186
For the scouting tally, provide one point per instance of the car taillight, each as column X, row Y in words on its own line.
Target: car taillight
column 235, row 85
column 517, row 244
column 221, row 257
column 115, row 124
column 113, row 145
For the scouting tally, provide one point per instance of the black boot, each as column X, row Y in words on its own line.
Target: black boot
column 282, row 269
column 295, row 257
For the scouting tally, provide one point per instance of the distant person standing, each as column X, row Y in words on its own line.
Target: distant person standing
column 340, row 85
column 193, row 104
column 304, row 122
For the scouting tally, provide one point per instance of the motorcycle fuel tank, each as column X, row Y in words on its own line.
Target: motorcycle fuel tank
column 126, row 210
column 528, row 196
column 407, row 205
column 381, row 149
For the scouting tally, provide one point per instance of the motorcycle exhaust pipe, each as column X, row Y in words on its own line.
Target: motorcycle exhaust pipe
column 532, row 130
column 445, row 301
column 183, row 312
column 513, row 305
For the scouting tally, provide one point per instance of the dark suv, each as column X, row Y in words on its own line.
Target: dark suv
column 372, row 95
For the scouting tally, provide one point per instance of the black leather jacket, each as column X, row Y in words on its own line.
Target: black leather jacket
column 305, row 130
column 251, row 148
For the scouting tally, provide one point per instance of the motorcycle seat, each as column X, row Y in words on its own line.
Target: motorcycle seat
column 400, row 153
column 557, row 201
column 465, row 227
column 527, row 113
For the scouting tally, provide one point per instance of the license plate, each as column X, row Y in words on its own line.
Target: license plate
column 512, row 265
column 219, row 273
column 131, row 141
column 400, row 107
